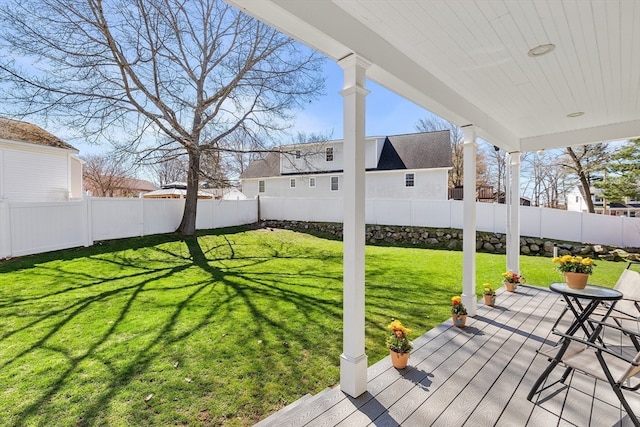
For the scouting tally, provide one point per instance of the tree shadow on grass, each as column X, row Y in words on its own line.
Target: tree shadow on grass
column 225, row 289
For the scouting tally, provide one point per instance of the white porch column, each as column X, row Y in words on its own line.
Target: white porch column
column 513, row 212
column 353, row 361
column 469, row 146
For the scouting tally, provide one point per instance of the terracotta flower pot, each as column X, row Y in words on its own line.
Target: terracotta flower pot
column 459, row 320
column 576, row 280
column 399, row 360
column 511, row 287
column 490, row 300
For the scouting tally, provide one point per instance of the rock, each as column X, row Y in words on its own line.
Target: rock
column 619, row 254
column 534, row 247
column 524, row 250
column 585, row 250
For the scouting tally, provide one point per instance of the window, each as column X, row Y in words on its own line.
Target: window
column 409, row 179
column 334, row 183
column 260, row 186
column 577, row 199
column 329, row 152
column 292, row 183
column 298, row 154
column 312, row 182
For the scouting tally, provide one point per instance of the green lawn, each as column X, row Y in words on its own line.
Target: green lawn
column 219, row 330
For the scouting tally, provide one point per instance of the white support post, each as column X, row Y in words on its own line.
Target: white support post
column 353, row 361
column 469, row 146
column 513, row 212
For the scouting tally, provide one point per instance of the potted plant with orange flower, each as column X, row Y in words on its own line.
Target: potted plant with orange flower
column 489, row 294
column 398, row 344
column 458, row 312
column 511, row 280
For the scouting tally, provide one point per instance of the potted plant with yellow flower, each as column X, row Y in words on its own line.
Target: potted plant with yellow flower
column 458, row 312
column 511, row 280
column 398, row 344
column 489, row 294
column 576, row 269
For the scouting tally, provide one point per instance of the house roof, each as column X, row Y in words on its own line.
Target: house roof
column 262, row 168
column 425, row 150
column 138, row 184
column 15, row 130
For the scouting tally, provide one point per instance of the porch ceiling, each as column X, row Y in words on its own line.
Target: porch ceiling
column 467, row 61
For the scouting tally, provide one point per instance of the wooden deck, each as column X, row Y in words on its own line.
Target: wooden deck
column 476, row 376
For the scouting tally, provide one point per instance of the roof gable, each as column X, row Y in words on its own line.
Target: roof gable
column 426, row 150
column 261, row 168
column 15, row 130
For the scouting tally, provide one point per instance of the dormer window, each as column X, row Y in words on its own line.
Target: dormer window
column 329, row 154
column 298, row 154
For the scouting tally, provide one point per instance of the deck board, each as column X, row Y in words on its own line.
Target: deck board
column 476, row 376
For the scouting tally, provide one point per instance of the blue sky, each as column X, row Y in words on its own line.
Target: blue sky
column 386, row 112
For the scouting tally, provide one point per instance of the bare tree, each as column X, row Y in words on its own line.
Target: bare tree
column 107, row 175
column 189, row 73
column 587, row 162
column 545, row 181
column 498, row 170
column 435, row 123
column 171, row 169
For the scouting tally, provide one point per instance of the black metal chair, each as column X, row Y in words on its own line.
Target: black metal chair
column 617, row 364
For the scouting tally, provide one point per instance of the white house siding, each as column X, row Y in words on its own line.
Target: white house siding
column 575, row 201
column 429, row 185
column 36, row 173
column 313, row 156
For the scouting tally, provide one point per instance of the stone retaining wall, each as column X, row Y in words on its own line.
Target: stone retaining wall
column 447, row 238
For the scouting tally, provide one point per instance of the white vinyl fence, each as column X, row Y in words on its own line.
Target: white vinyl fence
column 29, row 228
column 490, row 217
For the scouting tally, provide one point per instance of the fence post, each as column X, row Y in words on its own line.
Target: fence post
column 87, row 223
column 5, row 230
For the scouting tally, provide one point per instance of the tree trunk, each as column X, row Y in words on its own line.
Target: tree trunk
column 188, row 224
column 584, row 180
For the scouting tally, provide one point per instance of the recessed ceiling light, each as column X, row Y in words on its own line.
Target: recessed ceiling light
column 576, row 114
column 543, row 49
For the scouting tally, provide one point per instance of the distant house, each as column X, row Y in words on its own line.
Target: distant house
column 36, row 166
column 576, row 201
column 115, row 186
column 175, row 190
column 411, row 166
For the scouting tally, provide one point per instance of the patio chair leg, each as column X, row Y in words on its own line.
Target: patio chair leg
column 566, row 375
column 626, row 405
column 541, row 379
